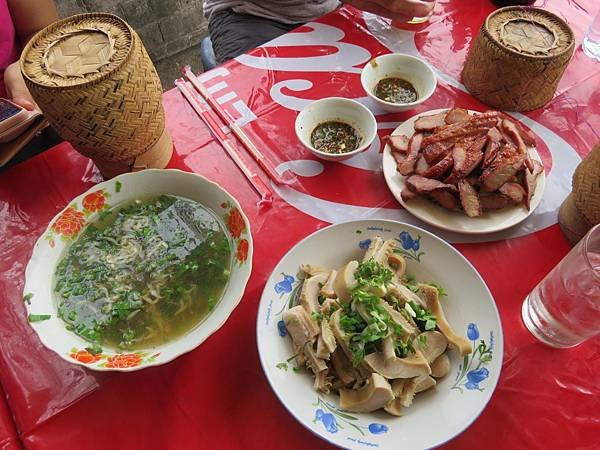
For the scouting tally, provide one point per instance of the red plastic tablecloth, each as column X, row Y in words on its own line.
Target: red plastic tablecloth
column 217, row 396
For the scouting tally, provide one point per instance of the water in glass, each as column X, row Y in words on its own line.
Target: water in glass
column 564, row 309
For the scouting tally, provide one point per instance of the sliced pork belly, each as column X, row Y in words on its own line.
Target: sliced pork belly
column 469, row 199
column 431, row 122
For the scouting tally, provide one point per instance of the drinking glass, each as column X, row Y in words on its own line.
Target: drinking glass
column 563, row 310
column 416, row 20
column 591, row 41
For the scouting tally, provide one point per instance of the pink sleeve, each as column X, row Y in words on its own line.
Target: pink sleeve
column 9, row 45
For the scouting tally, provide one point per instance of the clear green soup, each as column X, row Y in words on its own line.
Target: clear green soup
column 145, row 274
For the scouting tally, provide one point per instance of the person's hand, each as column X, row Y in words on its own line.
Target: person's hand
column 15, row 87
column 402, row 10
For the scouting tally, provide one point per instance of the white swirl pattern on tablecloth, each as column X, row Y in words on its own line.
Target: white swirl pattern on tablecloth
column 558, row 182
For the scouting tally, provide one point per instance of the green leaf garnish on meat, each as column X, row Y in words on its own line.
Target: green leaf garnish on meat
column 424, row 318
column 365, row 335
column 441, row 290
column 38, row 317
column 372, row 274
column 411, row 283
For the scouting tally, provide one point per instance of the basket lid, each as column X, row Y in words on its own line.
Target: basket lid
column 77, row 50
column 530, row 32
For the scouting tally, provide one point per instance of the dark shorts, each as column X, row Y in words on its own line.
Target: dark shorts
column 233, row 34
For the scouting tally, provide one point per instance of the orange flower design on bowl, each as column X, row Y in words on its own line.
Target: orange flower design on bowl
column 124, row 361
column 69, row 223
column 94, row 201
column 85, row 357
column 242, row 251
column 235, row 223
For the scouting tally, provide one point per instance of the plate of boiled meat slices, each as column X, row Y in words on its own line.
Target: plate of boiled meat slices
column 464, row 171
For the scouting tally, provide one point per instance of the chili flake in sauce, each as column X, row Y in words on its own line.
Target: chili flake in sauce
column 395, row 90
column 334, row 137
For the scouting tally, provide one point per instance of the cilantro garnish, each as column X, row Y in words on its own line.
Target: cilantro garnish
column 38, row 317
column 364, row 334
column 372, row 274
column 423, row 317
column 441, row 290
column 412, row 283
column 95, row 349
column 402, row 348
column 285, row 364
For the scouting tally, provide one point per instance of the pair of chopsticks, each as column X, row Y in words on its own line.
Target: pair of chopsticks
column 266, row 196
column 233, row 126
column 228, row 144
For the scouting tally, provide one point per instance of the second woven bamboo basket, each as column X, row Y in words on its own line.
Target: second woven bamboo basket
column 518, row 58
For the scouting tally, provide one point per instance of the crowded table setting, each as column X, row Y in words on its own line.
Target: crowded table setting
column 369, row 231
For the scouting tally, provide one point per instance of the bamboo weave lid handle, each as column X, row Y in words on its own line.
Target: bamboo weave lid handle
column 79, row 53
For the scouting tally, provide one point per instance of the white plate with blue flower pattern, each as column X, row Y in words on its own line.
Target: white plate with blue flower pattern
column 437, row 415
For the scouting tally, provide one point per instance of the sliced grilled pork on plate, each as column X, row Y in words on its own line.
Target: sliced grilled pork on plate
column 457, row 115
column 469, row 199
column 398, row 143
column 430, row 123
column 471, row 163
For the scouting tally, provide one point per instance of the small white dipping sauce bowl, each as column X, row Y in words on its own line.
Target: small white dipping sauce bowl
column 340, row 110
column 414, row 70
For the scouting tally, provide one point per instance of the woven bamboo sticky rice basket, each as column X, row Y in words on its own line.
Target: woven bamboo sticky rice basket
column 95, row 83
column 518, row 58
column 581, row 210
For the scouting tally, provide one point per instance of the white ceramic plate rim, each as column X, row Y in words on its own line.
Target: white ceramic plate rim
column 499, row 342
column 423, row 208
column 192, row 345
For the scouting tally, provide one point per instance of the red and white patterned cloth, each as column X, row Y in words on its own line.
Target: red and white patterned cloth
column 217, row 396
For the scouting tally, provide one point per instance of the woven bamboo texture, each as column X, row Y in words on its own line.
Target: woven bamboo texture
column 586, row 187
column 518, row 58
column 93, row 79
column 571, row 221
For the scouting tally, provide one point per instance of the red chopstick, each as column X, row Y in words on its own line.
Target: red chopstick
column 230, row 146
column 235, row 128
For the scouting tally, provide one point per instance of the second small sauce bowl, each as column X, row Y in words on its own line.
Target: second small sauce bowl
column 336, row 109
column 397, row 65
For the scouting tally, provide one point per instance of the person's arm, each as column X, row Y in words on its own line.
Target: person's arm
column 29, row 17
column 403, row 10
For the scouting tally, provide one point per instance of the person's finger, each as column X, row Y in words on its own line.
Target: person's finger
column 24, row 103
column 376, row 8
column 16, row 89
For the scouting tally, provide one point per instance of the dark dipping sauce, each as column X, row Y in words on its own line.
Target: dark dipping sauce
column 395, row 90
column 334, row 137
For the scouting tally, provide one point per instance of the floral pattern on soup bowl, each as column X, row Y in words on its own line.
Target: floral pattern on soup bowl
column 435, row 416
column 64, row 229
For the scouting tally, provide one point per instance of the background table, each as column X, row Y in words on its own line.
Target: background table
column 217, row 396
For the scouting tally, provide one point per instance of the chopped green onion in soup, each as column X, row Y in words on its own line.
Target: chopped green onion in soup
column 145, row 274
